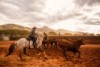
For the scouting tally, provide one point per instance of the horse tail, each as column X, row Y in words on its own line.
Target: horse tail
column 11, row 49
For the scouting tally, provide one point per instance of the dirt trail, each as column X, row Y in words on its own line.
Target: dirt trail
column 90, row 57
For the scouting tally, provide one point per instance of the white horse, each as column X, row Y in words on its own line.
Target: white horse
column 24, row 43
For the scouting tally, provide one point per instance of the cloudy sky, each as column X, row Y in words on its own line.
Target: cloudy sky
column 75, row 15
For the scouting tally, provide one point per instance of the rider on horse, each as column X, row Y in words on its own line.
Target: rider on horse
column 45, row 36
column 33, row 36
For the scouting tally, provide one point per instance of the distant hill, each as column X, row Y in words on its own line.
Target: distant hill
column 62, row 31
column 40, row 30
column 47, row 29
column 13, row 26
column 44, row 29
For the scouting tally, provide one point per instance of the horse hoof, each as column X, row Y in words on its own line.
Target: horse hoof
column 5, row 55
column 22, row 59
column 27, row 54
column 67, row 59
column 45, row 58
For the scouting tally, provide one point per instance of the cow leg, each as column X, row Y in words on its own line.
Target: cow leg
column 47, row 45
column 64, row 54
column 51, row 45
column 74, row 52
column 44, row 46
column 55, row 45
column 79, row 54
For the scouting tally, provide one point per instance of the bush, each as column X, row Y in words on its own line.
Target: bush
column 52, row 33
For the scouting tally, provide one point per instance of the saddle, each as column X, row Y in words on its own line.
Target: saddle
column 34, row 41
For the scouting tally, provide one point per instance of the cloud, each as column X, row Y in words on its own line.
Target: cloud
column 54, row 11
column 95, row 20
column 60, row 17
column 89, row 14
column 87, row 2
column 92, row 22
column 98, row 14
column 19, row 10
column 31, row 11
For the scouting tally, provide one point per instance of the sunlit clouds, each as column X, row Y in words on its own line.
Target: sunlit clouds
column 58, row 6
column 74, row 15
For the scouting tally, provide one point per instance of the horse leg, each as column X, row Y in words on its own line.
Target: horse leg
column 20, row 55
column 44, row 46
column 48, row 45
column 34, row 44
column 40, row 49
column 45, row 55
column 25, row 51
column 29, row 45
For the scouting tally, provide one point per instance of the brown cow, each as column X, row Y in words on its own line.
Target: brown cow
column 49, row 41
column 67, row 45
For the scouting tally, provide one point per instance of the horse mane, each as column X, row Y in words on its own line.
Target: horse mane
column 28, row 39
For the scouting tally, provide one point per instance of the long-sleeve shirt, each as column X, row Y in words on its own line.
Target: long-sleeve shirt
column 32, row 33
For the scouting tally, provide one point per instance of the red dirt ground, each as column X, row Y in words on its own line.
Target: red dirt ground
column 90, row 57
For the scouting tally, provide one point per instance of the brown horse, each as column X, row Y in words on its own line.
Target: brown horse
column 49, row 41
column 67, row 45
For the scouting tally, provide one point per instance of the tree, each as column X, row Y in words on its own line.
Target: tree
column 67, row 34
column 52, row 33
column 98, row 34
column 14, row 32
